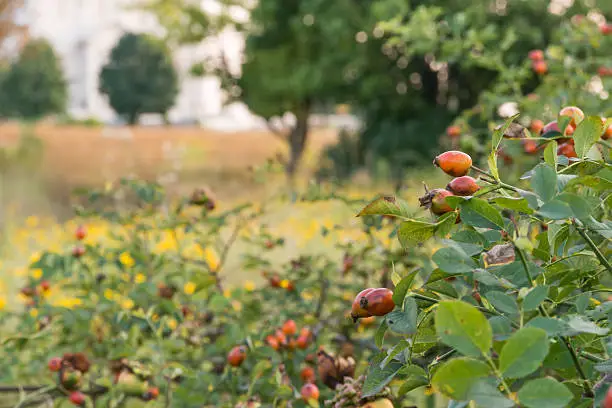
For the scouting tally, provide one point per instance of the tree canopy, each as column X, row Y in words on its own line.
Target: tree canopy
column 34, row 85
column 140, row 77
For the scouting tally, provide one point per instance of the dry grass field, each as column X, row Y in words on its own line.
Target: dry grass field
column 80, row 156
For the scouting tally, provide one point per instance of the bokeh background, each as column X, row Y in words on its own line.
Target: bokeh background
column 257, row 98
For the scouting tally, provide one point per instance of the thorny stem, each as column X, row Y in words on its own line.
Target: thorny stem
column 592, row 245
column 565, row 340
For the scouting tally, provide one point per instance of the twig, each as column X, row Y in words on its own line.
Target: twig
column 481, row 171
column 596, row 250
column 225, row 252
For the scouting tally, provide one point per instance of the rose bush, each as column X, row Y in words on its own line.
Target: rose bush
column 516, row 310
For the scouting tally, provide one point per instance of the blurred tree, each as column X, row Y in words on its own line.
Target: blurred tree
column 140, row 77
column 300, row 56
column 34, row 85
column 462, row 59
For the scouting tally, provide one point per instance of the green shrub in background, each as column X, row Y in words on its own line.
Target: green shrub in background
column 34, row 85
column 140, row 77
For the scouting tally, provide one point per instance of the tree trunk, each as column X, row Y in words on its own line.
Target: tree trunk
column 297, row 141
column 132, row 118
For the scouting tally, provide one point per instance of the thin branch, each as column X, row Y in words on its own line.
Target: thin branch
column 596, row 250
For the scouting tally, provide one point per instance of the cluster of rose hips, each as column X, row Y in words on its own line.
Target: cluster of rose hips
column 131, row 380
column 538, row 64
column 566, row 144
column 79, row 234
column 287, row 337
column 32, row 293
column 372, row 302
column 456, row 164
column 70, row 368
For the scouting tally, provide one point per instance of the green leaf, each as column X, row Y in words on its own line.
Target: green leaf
column 580, row 207
column 378, row 377
column 402, row 345
column 531, row 198
column 553, row 327
column 604, row 366
column 544, row 393
column 499, row 132
column 511, row 203
column 415, row 232
column 387, row 205
column 587, row 134
column 453, row 260
column 486, row 394
column 479, row 213
column 404, row 321
column 492, row 162
column 445, row 223
column 544, row 181
column 579, row 324
column 379, row 336
column 502, row 302
column 412, row 383
column 550, row 153
column 462, row 326
column 457, row 376
column 416, row 377
column 534, row 298
column 523, row 353
column 402, row 288
column 556, row 210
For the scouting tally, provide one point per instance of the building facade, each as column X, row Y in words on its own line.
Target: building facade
column 83, row 32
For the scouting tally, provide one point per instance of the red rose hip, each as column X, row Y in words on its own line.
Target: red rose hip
column 454, row 163
column 236, row 356
column 463, row 186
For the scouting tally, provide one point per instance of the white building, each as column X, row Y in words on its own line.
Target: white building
column 83, row 32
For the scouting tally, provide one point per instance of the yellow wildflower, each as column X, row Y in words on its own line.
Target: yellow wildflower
column 227, row 293
column 284, row 283
column 172, row 323
column 211, row 258
column 35, row 257
column 34, row 313
column 2, row 303
column 155, row 317
column 127, row 304
column 36, row 273
column 140, row 278
column 249, row 286
column 109, row 294
column 189, row 288
column 237, row 305
column 68, row 302
column 126, row 259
